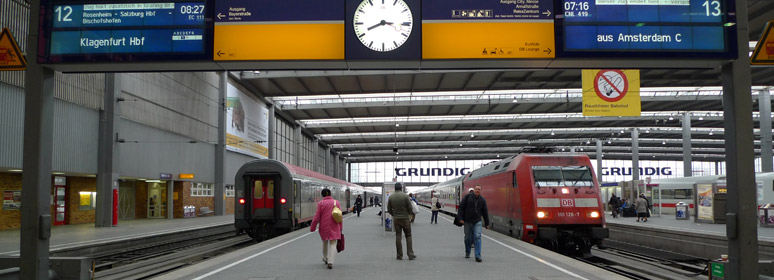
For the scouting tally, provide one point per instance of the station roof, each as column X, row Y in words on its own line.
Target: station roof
column 494, row 112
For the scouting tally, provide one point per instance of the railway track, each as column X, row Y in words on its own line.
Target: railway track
column 638, row 265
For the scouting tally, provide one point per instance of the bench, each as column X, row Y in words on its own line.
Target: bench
column 203, row 211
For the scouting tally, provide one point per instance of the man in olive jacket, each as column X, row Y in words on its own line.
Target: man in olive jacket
column 472, row 208
column 399, row 206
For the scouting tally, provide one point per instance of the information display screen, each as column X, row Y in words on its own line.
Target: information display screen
column 125, row 31
column 652, row 28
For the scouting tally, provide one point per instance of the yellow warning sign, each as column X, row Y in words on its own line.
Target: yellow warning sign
column 764, row 50
column 10, row 56
column 611, row 92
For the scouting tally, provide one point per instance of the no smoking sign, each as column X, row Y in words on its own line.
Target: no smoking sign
column 611, row 92
column 611, row 85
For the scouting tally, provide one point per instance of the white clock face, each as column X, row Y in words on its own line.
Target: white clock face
column 383, row 25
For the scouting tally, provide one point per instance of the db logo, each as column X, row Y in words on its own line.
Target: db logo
column 568, row 203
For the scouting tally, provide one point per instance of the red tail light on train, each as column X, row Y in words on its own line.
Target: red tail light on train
column 283, row 200
column 242, row 201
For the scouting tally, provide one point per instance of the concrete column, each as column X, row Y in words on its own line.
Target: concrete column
column 741, row 228
column 687, row 155
column 328, row 160
column 349, row 172
column 220, row 148
column 38, row 147
column 599, row 161
column 170, row 199
column 298, row 140
column 316, row 157
column 764, row 107
column 272, row 132
column 635, row 154
column 107, row 151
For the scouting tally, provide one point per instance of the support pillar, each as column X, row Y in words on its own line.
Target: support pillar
column 170, row 199
column 635, row 154
column 38, row 148
column 220, row 147
column 764, row 107
column 298, row 140
column 272, row 132
column 687, row 156
column 107, row 147
column 599, row 161
column 741, row 228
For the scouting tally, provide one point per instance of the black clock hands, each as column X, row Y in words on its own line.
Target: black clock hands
column 381, row 23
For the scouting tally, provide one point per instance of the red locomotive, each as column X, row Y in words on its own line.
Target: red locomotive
column 552, row 200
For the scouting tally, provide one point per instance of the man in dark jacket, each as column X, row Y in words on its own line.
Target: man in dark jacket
column 358, row 205
column 399, row 206
column 472, row 208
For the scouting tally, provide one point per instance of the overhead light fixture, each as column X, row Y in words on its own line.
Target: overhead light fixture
column 445, row 156
column 552, row 132
column 498, row 155
column 671, row 118
column 397, row 124
column 622, row 131
column 15, row 170
column 710, row 132
column 609, row 142
column 471, row 135
column 153, row 181
column 349, row 154
column 588, row 141
column 663, row 142
column 647, row 131
column 581, row 149
column 701, row 118
column 515, row 100
column 460, row 144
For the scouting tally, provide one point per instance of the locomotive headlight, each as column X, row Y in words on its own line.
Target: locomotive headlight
column 541, row 214
column 241, row 201
column 283, row 200
column 595, row 214
column 565, row 191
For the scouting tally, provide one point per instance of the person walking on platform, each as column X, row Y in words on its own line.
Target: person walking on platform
column 399, row 206
column 371, row 201
column 434, row 207
column 412, row 215
column 614, row 203
column 472, row 209
column 358, row 205
column 642, row 208
column 330, row 230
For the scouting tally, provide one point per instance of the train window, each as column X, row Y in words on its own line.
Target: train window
column 258, row 189
column 547, row 176
column 270, row 190
column 667, row 194
column 506, row 164
column 515, row 183
column 577, row 176
column 683, row 194
column 496, row 167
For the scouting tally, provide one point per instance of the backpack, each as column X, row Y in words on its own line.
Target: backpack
column 336, row 214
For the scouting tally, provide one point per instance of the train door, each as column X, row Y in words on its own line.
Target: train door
column 347, row 195
column 263, row 196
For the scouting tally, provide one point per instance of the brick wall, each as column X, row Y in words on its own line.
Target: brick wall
column 198, row 201
column 75, row 185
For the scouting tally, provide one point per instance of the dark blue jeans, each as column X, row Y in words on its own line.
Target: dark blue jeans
column 434, row 217
column 473, row 236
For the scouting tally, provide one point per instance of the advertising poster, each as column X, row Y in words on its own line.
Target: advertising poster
column 247, row 124
column 704, row 202
column 11, row 200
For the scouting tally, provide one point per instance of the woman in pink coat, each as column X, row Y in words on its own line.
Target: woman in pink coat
column 330, row 231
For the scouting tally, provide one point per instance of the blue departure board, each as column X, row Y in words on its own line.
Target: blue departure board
column 126, row 31
column 647, row 28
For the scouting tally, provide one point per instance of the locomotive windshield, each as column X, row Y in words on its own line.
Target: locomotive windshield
column 562, row 176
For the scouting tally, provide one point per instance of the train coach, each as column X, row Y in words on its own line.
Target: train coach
column 274, row 197
column 548, row 199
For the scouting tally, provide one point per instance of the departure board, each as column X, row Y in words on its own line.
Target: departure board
column 647, row 28
column 125, row 31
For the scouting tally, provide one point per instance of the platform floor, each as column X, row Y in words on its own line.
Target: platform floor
column 370, row 254
column 69, row 236
column 669, row 222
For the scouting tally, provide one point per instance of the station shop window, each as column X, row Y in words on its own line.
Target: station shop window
column 229, row 190
column 201, row 189
column 87, row 200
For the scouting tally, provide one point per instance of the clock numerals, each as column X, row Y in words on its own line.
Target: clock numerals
column 383, row 27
